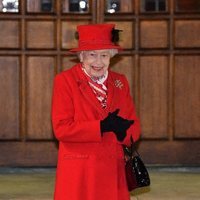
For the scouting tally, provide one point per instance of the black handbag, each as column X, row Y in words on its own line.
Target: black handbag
column 135, row 170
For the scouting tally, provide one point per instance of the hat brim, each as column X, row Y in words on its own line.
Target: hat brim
column 96, row 47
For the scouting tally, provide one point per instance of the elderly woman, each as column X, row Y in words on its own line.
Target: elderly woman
column 93, row 115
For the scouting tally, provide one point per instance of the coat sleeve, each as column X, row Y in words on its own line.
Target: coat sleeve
column 65, row 128
column 130, row 113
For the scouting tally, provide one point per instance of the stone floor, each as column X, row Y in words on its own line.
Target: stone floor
column 38, row 184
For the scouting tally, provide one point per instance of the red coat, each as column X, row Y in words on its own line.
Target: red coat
column 90, row 167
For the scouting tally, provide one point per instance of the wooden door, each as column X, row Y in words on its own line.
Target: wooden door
column 161, row 60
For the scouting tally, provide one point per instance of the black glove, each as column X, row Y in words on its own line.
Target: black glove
column 122, row 125
column 117, row 124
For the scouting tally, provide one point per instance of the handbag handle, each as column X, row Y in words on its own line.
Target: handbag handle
column 130, row 150
column 133, row 148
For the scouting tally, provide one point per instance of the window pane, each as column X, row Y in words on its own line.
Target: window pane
column 113, row 6
column 162, row 5
column 43, row 6
column 9, row 6
column 153, row 5
column 81, row 6
column 150, row 5
column 188, row 5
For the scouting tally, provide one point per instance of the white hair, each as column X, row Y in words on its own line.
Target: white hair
column 112, row 52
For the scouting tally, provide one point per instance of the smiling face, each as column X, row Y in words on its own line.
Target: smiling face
column 96, row 62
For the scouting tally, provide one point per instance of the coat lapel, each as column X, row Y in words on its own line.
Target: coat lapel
column 112, row 94
column 87, row 91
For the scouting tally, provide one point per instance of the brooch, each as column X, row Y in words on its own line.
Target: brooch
column 118, row 84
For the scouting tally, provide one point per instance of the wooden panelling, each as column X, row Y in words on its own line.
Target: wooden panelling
column 41, row 34
column 65, row 6
column 45, row 153
column 127, row 6
column 187, row 34
column 29, row 154
column 68, row 34
column 69, row 61
column 187, row 6
column 124, row 65
column 40, row 74
column 170, row 153
column 187, row 96
column 154, row 34
column 127, row 35
column 154, row 96
column 9, row 101
column 33, row 6
column 9, row 34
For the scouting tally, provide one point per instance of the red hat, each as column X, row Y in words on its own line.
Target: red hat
column 95, row 37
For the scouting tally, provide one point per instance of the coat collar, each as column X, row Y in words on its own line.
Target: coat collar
column 89, row 95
